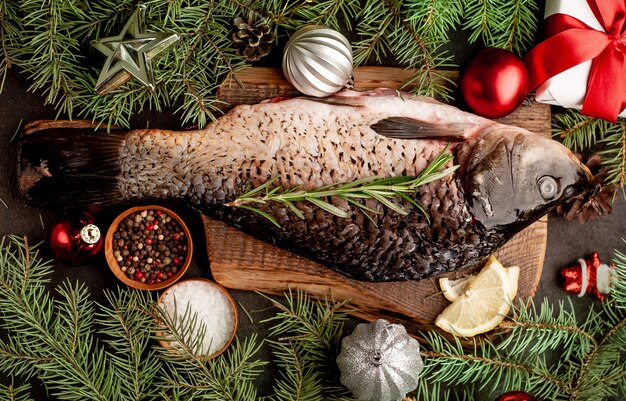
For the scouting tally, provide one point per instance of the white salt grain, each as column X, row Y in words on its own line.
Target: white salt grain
column 213, row 308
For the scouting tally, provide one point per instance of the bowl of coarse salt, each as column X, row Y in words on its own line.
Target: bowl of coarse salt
column 212, row 307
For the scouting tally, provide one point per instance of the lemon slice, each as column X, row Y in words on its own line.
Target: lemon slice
column 452, row 289
column 484, row 303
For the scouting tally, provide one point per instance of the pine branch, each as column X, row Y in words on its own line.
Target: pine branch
column 73, row 364
column 11, row 393
column 618, row 279
column 507, row 24
column 307, row 336
column 306, row 340
column 407, row 31
column 448, row 362
column 49, row 51
column 53, row 42
column 533, row 332
column 330, row 13
column 17, row 359
column 128, row 326
column 230, row 377
column 74, row 317
column 298, row 380
column 591, row 381
column 103, row 18
column 615, row 154
column 580, row 132
column 601, row 372
column 374, row 43
column 427, row 390
column 304, row 320
column 117, row 107
column 518, row 25
column 9, row 32
column 435, row 18
column 480, row 19
column 187, row 375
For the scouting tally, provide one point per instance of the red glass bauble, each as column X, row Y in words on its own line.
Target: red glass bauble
column 494, row 82
column 76, row 239
column 516, row 396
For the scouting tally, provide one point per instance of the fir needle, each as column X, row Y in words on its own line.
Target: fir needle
column 246, row 312
column 4, row 203
column 433, row 295
column 17, row 130
column 43, row 226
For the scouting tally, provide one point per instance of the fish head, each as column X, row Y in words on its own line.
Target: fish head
column 513, row 177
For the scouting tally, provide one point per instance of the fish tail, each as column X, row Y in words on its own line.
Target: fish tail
column 69, row 167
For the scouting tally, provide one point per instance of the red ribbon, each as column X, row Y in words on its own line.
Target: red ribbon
column 571, row 42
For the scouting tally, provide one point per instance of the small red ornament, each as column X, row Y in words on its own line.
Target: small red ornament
column 588, row 277
column 75, row 240
column 494, row 82
column 516, row 396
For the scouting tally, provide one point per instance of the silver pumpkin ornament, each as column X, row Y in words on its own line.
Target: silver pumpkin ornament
column 318, row 61
column 379, row 361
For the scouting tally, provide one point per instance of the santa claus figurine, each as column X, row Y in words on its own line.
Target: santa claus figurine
column 588, row 277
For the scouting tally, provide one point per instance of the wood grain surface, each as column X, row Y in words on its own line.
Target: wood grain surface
column 239, row 261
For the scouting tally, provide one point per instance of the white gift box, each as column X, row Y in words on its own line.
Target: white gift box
column 568, row 88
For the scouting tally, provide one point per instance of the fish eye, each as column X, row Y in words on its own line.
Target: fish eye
column 548, row 187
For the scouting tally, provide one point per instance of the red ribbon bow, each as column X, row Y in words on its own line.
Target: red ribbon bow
column 571, row 42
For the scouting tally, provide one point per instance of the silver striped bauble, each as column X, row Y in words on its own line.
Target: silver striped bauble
column 318, row 61
column 379, row 361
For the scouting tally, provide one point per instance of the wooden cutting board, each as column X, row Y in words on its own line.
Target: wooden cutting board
column 241, row 262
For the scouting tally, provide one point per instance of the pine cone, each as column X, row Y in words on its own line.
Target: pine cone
column 595, row 201
column 253, row 37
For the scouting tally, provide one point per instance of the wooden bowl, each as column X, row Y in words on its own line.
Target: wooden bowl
column 166, row 344
column 115, row 268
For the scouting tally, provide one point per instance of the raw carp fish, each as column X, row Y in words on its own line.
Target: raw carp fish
column 508, row 177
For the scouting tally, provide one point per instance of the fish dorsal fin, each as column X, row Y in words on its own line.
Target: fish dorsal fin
column 347, row 101
column 411, row 128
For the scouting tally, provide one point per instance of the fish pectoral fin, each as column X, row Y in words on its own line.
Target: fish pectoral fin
column 410, row 128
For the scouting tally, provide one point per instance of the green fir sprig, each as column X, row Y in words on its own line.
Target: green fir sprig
column 506, row 24
column 614, row 153
column 580, row 133
column 84, row 351
column 383, row 190
column 9, row 34
column 49, row 40
column 188, row 374
column 306, row 339
column 590, row 354
column 11, row 393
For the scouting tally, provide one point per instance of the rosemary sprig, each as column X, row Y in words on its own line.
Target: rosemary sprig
column 380, row 189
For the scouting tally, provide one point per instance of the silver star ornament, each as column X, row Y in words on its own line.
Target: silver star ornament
column 130, row 54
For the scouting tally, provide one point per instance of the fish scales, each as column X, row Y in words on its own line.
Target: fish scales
column 308, row 154
column 302, row 155
column 508, row 177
